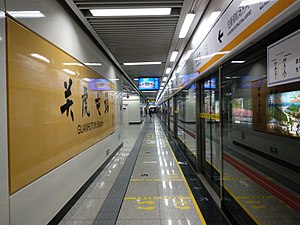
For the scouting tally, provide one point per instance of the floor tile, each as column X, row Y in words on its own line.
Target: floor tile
column 172, row 188
column 174, row 209
column 76, row 222
column 148, row 189
column 138, row 222
column 84, row 209
column 98, row 189
column 144, row 173
column 133, row 209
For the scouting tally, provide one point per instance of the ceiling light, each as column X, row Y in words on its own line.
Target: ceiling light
column 188, row 54
column 237, row 61
column 26, row 14
column 114, row 79
column 186, row 24
column 141, row 63
column 173, row 56
column 165, row 79
column 131, row 12
column 179, row 68
column 149, row 91
column 93, row 64
column 162, row 84
column 168, row 70
column 69, row 71
column 136, row 78
column 43, row 58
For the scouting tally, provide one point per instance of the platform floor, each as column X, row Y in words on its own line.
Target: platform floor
column 156, row 193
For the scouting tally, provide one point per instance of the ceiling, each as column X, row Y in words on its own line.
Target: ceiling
column 137, row 38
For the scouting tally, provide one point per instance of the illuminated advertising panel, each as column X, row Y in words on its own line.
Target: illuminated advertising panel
column 284, row 113
column 148, row 84
column 210, row 84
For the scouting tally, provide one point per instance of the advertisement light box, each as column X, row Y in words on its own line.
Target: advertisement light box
column 210, row 84
column 148, row 84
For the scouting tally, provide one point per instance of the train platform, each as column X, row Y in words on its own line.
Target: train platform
column 144, row 183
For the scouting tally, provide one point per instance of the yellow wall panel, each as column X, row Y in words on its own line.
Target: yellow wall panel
column 42, row 80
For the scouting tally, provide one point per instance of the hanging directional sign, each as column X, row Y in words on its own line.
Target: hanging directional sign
column 241, row 20
column 220, row 35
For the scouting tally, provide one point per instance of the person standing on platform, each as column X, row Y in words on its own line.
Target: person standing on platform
column 150, row 112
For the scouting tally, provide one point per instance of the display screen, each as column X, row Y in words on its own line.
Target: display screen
column 151, row 103
column 99, row 85
column 148, row 84
column 210, row 84
column 283, row 113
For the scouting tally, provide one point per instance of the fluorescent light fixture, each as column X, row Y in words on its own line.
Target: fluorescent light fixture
column 162, row 84
column 161, row 88
column 173, row 78
column 86, row 79
column 114, row 79
column 237, row 61
column 179, row 68
column 69, row 71
column 93, row 64
column 149, row 91
column 38, row 56
column 168, row 70
column 136, row 78
column 72, row 64
column 186, row 24
column 131, row 12
column 188, row 54
column 165, row 79
column 173, row 56
column 26, row 14
column 141, row 63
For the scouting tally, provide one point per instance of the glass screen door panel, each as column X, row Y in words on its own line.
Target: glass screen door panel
column 181, row 116
column 210, row 109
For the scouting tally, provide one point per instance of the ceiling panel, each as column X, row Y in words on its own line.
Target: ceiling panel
column 136, row 38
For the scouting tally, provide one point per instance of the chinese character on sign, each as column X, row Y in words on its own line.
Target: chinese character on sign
column 297, row 65
column 69, row 103
column 97, row 102
column 84, row 110
column 106, row 104
column 275, row 70
column 284, row 67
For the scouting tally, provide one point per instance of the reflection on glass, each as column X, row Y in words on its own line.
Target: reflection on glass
column 253, row 152
column 99, row 85
column 186, row 127
column 211, row 132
